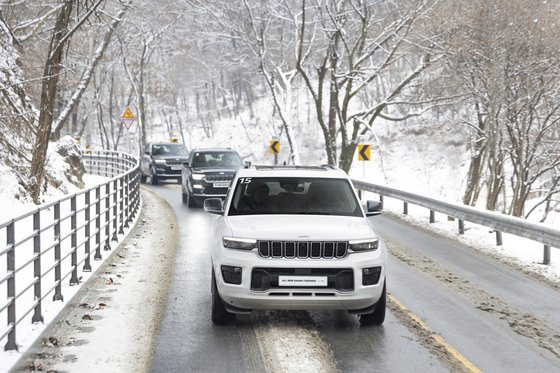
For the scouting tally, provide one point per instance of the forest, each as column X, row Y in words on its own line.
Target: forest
column 331, row 72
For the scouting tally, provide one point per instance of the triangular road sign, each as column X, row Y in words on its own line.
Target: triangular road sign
column 127, row 115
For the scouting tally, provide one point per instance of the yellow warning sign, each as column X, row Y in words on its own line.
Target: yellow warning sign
column 274, row 147
column 364, row 151
column 127, row 115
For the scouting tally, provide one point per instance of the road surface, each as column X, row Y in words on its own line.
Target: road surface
column 450, row 308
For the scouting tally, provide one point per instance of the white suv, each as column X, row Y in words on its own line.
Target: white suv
column 297, row 238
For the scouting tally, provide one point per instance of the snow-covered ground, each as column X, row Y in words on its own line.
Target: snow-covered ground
column 62, row 182
column 15, row 201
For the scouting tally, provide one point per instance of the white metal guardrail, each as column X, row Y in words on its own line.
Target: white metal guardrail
column 49, row 244
column 499, row 222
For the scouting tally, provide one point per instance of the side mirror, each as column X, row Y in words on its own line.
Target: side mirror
column 147, row 152
column 186, row 164
column 214, row 206
column 374, row 208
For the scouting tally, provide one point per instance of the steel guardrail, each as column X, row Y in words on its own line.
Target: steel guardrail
column 62, row 235
column 541, row 233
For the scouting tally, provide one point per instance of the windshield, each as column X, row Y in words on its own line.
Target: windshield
column 169, row 150
column 216, row 159
column 310, row 196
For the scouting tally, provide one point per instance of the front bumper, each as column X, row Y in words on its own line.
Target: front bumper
column 241, row 296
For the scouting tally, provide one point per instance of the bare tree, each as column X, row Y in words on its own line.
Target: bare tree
column 61, row 35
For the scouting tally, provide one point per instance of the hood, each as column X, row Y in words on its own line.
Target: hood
column 300, row 227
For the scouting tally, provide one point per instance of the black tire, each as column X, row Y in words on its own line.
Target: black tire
column 220, row 315
column 378, row 316
column 185, row 198
column 192, row 202
column 142, row 178
column 153, row 178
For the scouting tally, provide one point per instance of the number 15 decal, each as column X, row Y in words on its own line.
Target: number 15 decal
column 245, row 180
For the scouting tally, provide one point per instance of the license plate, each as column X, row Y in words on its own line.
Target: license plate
column 304, row 281
column 177, row 167
column 221, row 184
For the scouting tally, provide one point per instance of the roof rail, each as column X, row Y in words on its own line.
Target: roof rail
column 294, row 167
column 328, row 165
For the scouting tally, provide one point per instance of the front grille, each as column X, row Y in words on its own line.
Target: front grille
column 175, row 161
column 341, row 279
column 211, row 177
column 303, row 249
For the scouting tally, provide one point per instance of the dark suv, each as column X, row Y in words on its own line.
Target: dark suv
column 163, row 160
column 208, row 173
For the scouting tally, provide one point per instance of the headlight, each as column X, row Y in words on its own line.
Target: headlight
column 364, row 245
column 239, row 243
column 197, row 176
column 159, row 161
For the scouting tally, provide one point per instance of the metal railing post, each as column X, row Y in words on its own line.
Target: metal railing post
column 121, row 203
column 134, row 193
column 97, row 255
column 405, row 208
column 74, row 243
column 461, row 226
column 11, row 267
column 107, row 216
column 115, row 210
column 432, row 216
column 499, row 241
column 127, row 200
column 37, row 314
column 546, row 254
column 57, row 290
column 87, row 264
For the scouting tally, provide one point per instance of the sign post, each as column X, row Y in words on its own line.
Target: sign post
column 274, row 148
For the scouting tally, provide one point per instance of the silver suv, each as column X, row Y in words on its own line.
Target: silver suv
column 296, row 238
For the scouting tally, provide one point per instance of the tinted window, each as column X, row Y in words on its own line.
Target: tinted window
column 169, row 150
column 310, row 196
column 215, row 159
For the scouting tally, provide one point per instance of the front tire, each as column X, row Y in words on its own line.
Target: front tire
column 378, row 316
column 142, row 178
column 220, row 315
column 191, row 202
column 153, row 178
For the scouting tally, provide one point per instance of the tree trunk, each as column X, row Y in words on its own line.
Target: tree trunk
column 48, row 94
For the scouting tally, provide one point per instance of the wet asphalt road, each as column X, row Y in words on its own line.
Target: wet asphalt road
column 188, row 341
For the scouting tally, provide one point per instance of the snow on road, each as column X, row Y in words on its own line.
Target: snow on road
column 111, row 324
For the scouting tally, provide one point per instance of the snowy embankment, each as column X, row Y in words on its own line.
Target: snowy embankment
column 64, row 179
column 432, row 162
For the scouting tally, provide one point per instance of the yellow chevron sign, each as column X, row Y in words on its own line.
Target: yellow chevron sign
column 364, row 152
column 274, row 147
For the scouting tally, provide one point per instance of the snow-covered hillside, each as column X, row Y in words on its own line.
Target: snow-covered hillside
column 17, row 132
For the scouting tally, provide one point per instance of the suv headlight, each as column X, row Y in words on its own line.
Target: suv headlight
column 364, row 245
column 239, row 243
column 159, row 161
column 197, row 176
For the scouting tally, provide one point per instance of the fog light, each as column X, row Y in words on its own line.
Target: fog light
column 370, row 276
column 231, row 275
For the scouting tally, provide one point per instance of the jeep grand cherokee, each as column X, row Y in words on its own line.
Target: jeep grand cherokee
column 296, row 238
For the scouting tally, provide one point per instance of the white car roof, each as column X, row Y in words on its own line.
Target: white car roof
column 292, row 171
